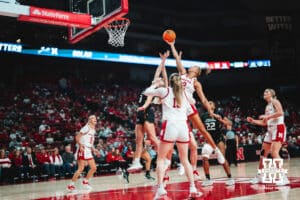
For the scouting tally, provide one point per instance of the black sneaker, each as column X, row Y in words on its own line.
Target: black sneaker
column 149, row 177
column 126, row 176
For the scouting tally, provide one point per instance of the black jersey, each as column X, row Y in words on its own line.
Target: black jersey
column 142, row 99
column 213, row 126
column 147, row 114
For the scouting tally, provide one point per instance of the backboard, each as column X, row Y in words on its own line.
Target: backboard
column 102, row 12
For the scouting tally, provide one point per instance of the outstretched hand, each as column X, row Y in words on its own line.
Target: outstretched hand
column 164, row 55
column 249, row 119
column 170, row 43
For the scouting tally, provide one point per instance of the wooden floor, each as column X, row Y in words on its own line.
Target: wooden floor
column 114, row 187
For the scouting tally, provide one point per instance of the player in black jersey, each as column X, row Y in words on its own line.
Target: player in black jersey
column 213, row 126
column 145, row 117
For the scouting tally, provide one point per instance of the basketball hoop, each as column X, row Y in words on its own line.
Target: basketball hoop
column 116, row 31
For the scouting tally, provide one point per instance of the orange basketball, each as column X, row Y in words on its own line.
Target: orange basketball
column 169, row 35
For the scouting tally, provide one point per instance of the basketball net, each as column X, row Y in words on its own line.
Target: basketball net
column 116, row 31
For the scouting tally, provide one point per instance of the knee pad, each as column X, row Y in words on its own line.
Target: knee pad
column 206, row 150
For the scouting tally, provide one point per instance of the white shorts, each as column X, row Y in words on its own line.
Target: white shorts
column 192, row 110
column 175, row 131
column 276, row 133
column 84, row 155
column 207, row 150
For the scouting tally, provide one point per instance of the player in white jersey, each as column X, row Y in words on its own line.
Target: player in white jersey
column 84, row 153
column 174, row 129
column 191, row 85
column 276, row 131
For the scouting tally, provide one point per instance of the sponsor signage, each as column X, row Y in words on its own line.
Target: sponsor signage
column 57, row 17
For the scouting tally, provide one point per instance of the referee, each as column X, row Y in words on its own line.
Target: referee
column 232, row 144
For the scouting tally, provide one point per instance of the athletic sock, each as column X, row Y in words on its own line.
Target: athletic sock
column 207, row 176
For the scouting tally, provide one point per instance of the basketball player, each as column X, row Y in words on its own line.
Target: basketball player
column 174, row 129
column 214, row 125
column 276, row 131
column 85, row 149
column 191, row 85
column 145, row 117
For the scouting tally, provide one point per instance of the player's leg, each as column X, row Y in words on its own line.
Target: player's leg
column 222, row 147
column 92, row 169
column 151, row 134
column 194, row 155
column 80, row 169
column 278, row 137
column 197, row 122
column 163, row 149
column 183, row 155
column 139, row 136
column 146, row 156
column 264, row 152
column 207, row 150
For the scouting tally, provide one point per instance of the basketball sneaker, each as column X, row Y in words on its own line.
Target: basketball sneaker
column 166, row 179
column 207, row 182
column 284, row 181
column 126, row 176
column 230, row 182
column 194, row 192
column 149, row 177
column 256, row 179
column 70, row 188
column 136, row 165
column 160, row 192
column 196, row 175
column 86, row 185
column 181, row 170
column 220, row 156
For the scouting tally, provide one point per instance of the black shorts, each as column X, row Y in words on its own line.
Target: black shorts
column 145, row 115
column 218, row 138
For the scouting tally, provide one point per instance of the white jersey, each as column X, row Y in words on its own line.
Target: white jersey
column 88, row 136
column 170, row 109
column 189, row 89
column 270, row 109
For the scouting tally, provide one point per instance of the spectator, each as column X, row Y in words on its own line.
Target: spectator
column 17, row 163
column 69, row 161
column 43, row 159
column 117, row 161
column 29, row 164
column 57, row 161
column 5, row 167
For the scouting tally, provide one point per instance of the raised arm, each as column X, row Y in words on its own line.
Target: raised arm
column 203, row 99
column 177, row 57
column 163, row 67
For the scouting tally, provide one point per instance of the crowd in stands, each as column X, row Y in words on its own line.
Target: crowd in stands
column 39, row 124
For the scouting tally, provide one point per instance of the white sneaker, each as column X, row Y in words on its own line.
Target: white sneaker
column 166, row 179
column 70, row 188
column 194, row 192
column 135, row 167
column 220, row 156
column 86, row 185
column 160, row 192
column 181, row 170
column 285, row 181
column 207, row 182
column 196, row 175
column 256, row 179
column 230, row 182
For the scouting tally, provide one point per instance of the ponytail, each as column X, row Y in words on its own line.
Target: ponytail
column 175, row 83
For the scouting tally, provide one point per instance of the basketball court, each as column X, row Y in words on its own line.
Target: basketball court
column 83, row 19
column 114, row 187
